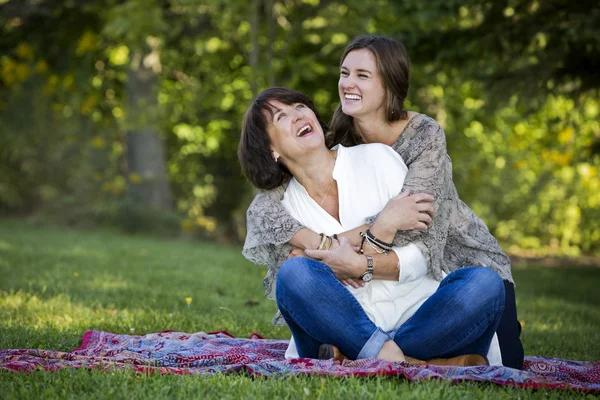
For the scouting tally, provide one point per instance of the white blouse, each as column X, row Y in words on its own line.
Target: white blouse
column 368, row 176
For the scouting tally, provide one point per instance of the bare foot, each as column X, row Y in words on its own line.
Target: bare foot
column 391, row 352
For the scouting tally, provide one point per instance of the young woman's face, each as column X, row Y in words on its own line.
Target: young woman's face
column 293, row 129
column 360, row 86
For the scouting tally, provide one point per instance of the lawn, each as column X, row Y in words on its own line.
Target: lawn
column 56, row 283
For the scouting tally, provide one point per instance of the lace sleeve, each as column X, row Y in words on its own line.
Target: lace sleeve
column 268, row 229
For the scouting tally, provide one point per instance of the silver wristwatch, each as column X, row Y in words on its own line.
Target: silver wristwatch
column 368, row 274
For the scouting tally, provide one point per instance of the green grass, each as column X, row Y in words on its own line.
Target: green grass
column 56, row 283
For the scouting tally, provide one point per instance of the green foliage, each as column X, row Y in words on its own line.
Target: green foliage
column 514, row 85
column 58, row 283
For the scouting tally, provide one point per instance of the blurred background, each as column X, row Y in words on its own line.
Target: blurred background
column 127, row 113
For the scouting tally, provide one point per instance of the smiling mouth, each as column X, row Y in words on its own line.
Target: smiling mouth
column 306, row 129
column 352, row 97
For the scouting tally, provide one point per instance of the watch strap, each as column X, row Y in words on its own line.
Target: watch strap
column 370, row 268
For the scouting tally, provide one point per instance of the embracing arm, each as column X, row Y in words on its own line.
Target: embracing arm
column 429, row 171
column 269, row 229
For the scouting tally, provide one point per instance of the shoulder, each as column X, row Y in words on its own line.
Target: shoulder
column 376, row 155
column 266, row 199
column 368, row 151
column 427, row 128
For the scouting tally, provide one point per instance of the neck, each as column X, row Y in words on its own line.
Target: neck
column 315, row 172
column 376, row 129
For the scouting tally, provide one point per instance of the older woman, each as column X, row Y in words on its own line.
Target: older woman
column 399, row 314
column 373, row 84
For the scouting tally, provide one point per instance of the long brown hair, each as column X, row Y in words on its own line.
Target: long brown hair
column 394, row 68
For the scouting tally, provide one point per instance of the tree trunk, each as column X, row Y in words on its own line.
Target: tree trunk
column 271, row 40
column 145, row 150
column 254, row 53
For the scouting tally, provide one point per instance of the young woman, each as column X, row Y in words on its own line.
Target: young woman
column 400, row 313
column 373, row 84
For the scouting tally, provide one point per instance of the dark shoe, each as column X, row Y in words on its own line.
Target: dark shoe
column 329, row 351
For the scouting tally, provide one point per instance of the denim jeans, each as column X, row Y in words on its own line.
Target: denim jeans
column 461, row 317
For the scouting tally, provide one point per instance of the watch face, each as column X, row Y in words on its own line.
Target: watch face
column 367, row 276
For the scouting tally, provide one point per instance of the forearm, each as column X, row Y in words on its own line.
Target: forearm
column 306, row 239
column 383, row 230
column 385, row 266
column 353, row 235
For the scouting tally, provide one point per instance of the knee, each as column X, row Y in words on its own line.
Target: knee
column 296, row 274
column 486, row 283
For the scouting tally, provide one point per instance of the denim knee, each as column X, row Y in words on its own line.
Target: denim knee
column 298, row 276
column 485, row 283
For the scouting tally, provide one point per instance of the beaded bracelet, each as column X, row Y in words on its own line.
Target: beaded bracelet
column 378, row 242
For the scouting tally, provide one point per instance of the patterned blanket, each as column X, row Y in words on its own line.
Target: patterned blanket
column 219, row 352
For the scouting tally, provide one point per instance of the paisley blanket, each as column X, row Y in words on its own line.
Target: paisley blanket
column 219, row 352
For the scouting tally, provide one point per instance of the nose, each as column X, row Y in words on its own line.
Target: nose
column 296, row 115
column 347, row 82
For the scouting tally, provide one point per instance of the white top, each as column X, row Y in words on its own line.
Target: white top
column 368, row 176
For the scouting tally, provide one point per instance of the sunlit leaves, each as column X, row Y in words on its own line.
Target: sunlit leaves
column 119, row 55
column 523, row 160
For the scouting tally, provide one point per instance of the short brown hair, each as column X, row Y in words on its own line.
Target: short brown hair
column 254, row 151
column 394, row 68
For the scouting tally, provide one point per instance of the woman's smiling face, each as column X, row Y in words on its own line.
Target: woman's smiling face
column 293, row 129
column 360, row 86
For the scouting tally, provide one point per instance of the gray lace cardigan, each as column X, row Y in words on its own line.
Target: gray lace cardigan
column 456, row 237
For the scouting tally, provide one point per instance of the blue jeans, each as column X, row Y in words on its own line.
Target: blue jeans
column 459, row 318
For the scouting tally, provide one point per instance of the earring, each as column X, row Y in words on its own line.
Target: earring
column 276, row 159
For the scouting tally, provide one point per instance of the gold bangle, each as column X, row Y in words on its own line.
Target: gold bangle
column 329, row 242
column 323, row 240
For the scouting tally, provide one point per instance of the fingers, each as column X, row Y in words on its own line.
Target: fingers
column 426, row 218
column 343, row 240
column 421, row 226
column 295, row 252
column 354, row 283
column 404, row 194
column 425, row 208
column 316, row 254
column 423, row 197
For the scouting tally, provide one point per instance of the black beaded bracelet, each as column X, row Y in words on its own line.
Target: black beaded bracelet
column 378, row 242
column 362, row 243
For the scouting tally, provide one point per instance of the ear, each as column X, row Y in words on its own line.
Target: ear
column 275, row 155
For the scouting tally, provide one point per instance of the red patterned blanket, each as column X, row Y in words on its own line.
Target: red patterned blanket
column 210, row 353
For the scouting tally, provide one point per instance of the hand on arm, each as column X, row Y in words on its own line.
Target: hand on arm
column 305, row 239
column 402, row 213
column 348, row 265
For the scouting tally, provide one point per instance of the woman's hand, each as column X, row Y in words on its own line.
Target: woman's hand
column 355, row 283
column 296, row 252
column 406, row 212
column 345, row 263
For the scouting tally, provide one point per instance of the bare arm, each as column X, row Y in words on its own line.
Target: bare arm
column 348, row 264
column 403, row 212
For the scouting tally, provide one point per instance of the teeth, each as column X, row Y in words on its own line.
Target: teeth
column 304, row 130
column 352, row 97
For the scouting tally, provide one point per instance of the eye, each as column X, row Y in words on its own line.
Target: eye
column 279, row 116
column 363, row 76
column 299, row 106
column 343, row 73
